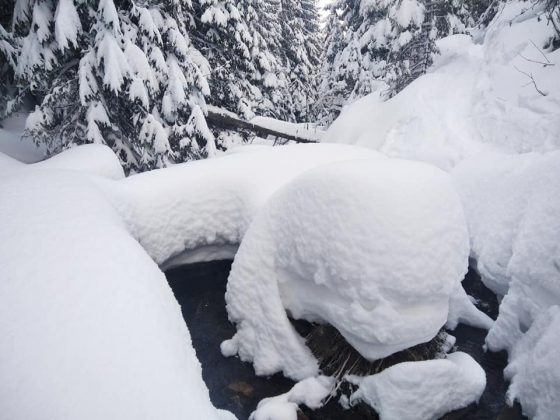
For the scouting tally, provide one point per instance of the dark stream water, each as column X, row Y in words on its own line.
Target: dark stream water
column 199, row 289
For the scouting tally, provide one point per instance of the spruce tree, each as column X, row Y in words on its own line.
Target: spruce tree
column 300, row 51
column 264, row 39
column 8, row 60
column 222, row 35
column 125, row 76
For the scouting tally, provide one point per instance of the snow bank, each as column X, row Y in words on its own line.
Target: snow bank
column 512, row 205
column 206, row 206
column 311, row 392
column 373, row 247
column 90, row 329
column 475, row 98
column 534, row 371
column 422, row 390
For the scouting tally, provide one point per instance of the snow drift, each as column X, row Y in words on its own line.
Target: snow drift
column 373, row 247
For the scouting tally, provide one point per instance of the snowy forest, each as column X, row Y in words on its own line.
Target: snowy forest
column 280, row 209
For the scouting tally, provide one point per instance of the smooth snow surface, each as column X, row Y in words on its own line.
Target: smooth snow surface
column 373, row 247
column 211, row 203
column 475, row 97
column 311, row 392
column 422, row 390
column 90, row 328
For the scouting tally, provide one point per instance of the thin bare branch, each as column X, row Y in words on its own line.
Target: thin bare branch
column 530, row 76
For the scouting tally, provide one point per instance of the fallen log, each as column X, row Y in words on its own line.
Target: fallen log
column 228, row 121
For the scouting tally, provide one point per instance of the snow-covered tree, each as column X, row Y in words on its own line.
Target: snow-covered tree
column 222, row 35
column 8, row 60
column 118, row 73
column 265, row 47
column 301, row 51
column 332, row 92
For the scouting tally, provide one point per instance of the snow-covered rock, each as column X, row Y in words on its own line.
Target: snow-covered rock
column 422, row 390
column 90, row 328
column 478, row 96
column 311, row 392
column 373, row 247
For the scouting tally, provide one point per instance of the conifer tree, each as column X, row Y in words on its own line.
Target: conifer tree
column 222, row 35
column 128, row 77
column 300, row 51
column 8, row 60
column 264, row 40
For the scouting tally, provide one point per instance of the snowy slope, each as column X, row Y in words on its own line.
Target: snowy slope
column 475, row 98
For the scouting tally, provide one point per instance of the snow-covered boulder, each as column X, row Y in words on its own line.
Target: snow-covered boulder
column 373, row 247
column 422, row 390
column 90, row 328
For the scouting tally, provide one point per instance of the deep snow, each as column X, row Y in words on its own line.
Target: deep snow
column 90, row 327
column 373, row 247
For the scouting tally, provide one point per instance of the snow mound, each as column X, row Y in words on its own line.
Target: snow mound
column 475, row 98
column 422, row 390
column 534, row 371
column 90, row 328
column 201, row 210
column 373, row 247
column 310, row 391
